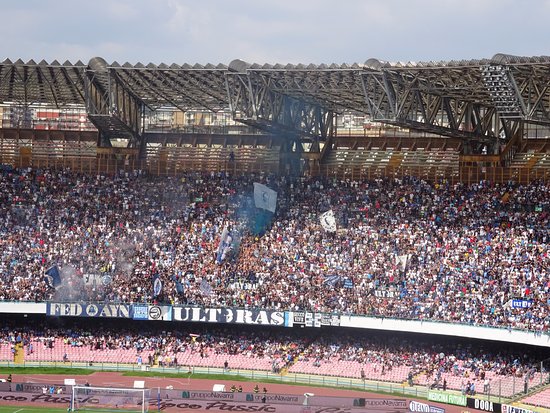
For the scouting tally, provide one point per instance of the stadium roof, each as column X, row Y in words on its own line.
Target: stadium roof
column 431, row 96
column 203, row 86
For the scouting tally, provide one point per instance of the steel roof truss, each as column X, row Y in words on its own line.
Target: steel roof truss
column 165, row 79
column 152, row 88
column 76, row 86
column 205, row 85
column 376, row 96
column 535, row 93
column 97, row 94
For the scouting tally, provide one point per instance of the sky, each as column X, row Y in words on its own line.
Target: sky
column 265, row 31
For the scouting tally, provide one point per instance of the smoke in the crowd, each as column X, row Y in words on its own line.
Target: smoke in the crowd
column 176, row 200
column 122, row 252
column 72, row 285
column 249, row 218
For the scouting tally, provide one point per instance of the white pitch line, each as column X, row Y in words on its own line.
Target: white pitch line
column 17, row 411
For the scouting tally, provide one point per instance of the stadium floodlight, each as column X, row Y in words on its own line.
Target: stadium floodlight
column 109, row 399
column 501, row 90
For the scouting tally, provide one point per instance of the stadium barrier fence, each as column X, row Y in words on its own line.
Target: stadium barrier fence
column 500, row 391
column 510, row 388
column 289, row 378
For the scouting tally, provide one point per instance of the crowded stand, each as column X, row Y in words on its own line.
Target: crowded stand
column 469, row 366
column 139, row 345
column 463, row 366
column 403, row 248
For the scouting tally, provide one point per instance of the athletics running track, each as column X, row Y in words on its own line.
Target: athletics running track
column 112, row 379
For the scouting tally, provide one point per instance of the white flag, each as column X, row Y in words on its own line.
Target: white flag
column 264, row 197
column 157, row 285
column 401, row 261
column 328, row 222
column 205, row 287
column 223, row 247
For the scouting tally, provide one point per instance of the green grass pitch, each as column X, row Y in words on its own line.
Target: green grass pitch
column 16, row 409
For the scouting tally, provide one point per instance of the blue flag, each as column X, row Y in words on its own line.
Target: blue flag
column 157, row 285
column 331, row 279
column 53, row 277
column 178, row 283
column 224, row 246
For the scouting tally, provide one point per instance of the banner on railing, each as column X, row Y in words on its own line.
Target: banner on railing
column 89, row 310
column 224, row 402
column 421, row 407
column 332, row 404
column 380, row 404
column 229, row 315
column 485, row 405
column 18, row 307
column 36, row 388
column 506, row 408
column 447, row 398
column 307, row 319
column 194, row 314
column 152, row 312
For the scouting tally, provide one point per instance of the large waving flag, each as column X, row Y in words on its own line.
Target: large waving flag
column 205, row 287
column 401, row 261
column 331, row 279
column 178, row 284
column 53, row 277
column 157, row 285
column 328, row 221
column 225, row 245
column 265, row 197
column 179, row 287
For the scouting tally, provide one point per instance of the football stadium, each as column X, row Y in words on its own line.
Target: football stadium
column 322, row 238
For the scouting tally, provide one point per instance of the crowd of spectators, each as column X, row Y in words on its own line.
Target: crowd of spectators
column 403, row 248
column 431, row 357
column 152, row 346
column 382, row 351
